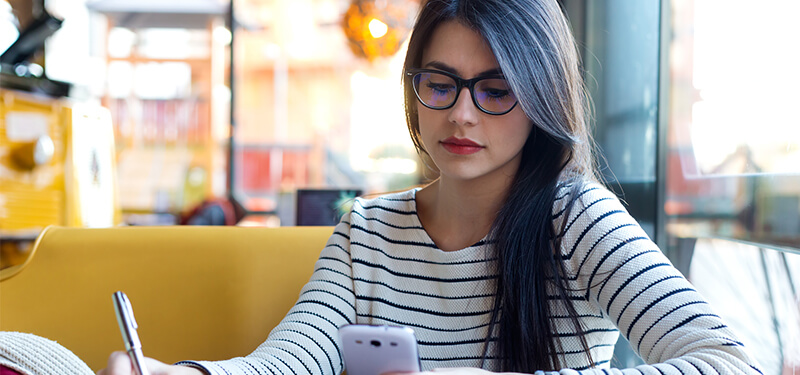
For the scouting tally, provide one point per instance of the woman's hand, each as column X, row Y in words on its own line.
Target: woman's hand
column 120, row 364
column 473, row 371
column 447, row 371
column 461, row 371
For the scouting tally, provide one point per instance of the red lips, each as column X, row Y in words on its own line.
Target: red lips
column 460, row 146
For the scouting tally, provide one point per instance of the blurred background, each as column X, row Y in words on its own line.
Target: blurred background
column 278, row 112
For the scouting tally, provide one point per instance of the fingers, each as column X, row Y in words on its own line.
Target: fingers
column 460, row 371
column 118, row 364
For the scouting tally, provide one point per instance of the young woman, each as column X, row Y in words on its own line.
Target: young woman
column 515, row 259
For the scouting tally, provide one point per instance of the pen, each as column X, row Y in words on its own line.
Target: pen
column 128, row 326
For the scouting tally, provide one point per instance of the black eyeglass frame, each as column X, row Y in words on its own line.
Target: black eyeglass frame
column 460, row 84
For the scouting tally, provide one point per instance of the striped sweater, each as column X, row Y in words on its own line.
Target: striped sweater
column 381, row 267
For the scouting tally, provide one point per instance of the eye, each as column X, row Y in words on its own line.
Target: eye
column 440, row 88
column 493, row 93
column 495, row 89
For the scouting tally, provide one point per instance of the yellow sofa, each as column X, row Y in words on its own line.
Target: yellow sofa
column 197, row 292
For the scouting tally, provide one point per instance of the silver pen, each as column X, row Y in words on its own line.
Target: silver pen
column 128, row 326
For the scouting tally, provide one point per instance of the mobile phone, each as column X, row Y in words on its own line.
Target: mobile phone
column 128, row 327
column 374, row 350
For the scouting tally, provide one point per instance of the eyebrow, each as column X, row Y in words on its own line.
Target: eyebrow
column 447, row 68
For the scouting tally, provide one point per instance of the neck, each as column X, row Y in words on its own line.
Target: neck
column 457, row 214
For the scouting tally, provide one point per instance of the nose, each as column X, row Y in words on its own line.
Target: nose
column 464, row 111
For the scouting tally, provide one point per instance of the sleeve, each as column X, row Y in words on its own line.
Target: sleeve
column 623, row 272
column 306, row 340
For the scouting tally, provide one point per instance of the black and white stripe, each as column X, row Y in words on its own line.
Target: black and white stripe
column 381, row 267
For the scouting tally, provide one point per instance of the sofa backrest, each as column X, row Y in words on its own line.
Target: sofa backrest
column 203, row 293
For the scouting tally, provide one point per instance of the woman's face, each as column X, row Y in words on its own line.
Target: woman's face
column 464, row 142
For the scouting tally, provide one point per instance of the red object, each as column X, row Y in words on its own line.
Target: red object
column 461, row 146
column 254, row 170
column 7, row 371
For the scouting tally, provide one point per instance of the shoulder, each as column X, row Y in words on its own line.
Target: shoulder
column 402, row 202
column 396, row 209
column 372, row 215
column 583, row 194
column 593, row 227
column 582, row 204
column 387, row 222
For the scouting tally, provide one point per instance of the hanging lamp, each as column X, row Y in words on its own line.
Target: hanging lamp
column 377, row 28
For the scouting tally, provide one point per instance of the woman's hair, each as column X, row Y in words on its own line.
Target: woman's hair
column 534, row 47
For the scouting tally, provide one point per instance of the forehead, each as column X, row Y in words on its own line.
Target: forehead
column 461, row 48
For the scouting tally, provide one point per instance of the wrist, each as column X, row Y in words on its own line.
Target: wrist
column 190, row 369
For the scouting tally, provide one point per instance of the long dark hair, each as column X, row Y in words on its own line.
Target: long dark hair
column 532, row 42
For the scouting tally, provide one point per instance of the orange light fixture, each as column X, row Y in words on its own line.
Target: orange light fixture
column 377, row 28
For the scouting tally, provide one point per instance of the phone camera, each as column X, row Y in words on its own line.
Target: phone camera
column 375, row 343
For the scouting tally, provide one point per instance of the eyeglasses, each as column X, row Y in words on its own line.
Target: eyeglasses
column 437, row 89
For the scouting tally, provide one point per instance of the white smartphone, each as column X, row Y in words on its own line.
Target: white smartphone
column 374, row 350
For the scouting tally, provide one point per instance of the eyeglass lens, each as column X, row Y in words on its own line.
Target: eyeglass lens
column 439, row 91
